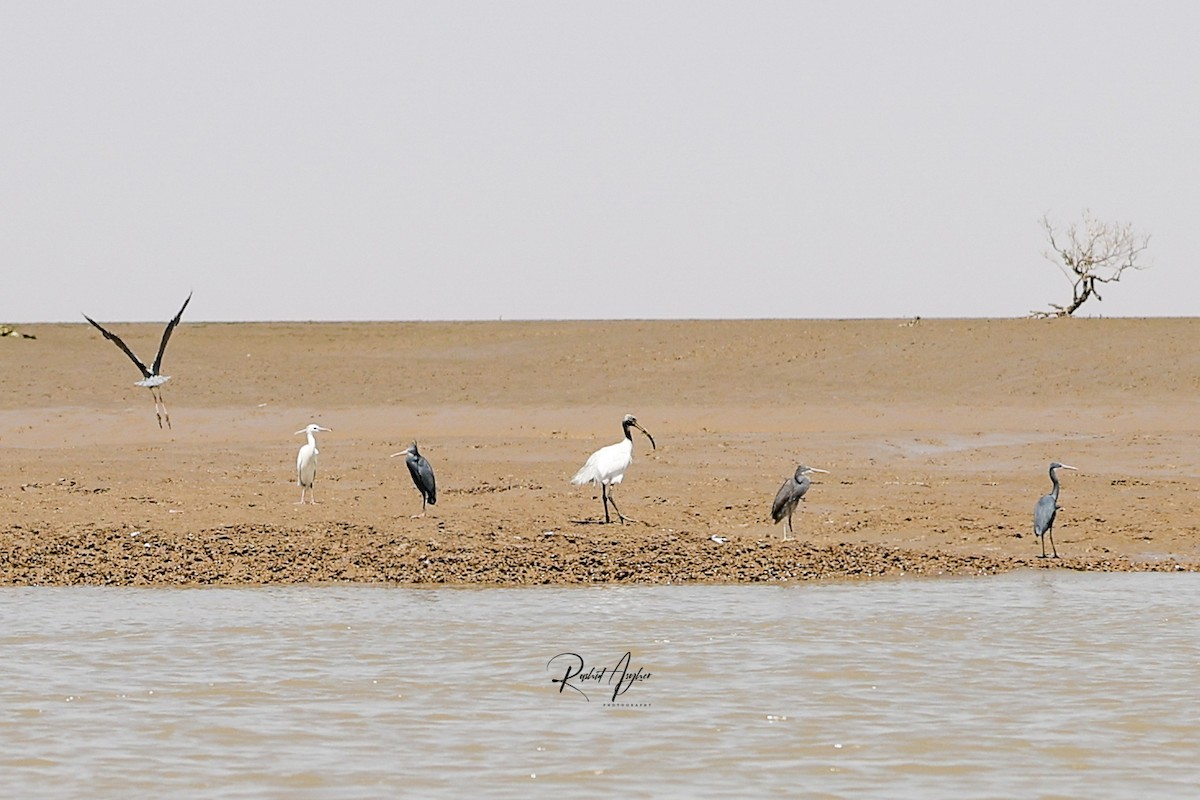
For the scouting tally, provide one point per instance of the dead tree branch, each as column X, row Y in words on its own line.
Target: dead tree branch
column 1090, row 253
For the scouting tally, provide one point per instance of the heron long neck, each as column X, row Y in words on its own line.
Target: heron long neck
column 1054, row 480
column 312, row 440
column 628, row 434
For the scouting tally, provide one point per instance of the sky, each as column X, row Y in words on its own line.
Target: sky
column 291, row 160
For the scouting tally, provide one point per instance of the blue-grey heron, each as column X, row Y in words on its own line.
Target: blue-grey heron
column 606, row 467
column 151, row 379
column 422, row 476
column 790, row 495
column 306, row 462
column 1046, row 509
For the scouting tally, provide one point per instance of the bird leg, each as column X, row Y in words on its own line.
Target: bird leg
column 620, row 516
column 604, row 499
column 787, row 527
column 1048, row 532
column 422, row 514
column 154, row 395
column 163, row 403
column 160, row 407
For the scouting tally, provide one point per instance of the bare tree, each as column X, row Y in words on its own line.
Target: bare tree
column 1091, row 253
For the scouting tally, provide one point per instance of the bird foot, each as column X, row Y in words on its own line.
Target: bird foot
column 417, row 516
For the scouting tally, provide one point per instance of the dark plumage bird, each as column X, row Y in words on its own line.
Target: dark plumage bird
column 152, row 379
column 790, row 495
column 1046, row 509
column 422, row 475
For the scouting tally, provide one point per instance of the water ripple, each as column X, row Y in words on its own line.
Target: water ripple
column 1038, row 683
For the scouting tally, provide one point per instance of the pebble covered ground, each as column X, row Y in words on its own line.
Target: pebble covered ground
column 936, row 437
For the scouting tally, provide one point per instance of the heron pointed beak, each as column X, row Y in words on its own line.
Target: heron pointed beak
column 327, row 430
column 1064, row 466
column 822, row 471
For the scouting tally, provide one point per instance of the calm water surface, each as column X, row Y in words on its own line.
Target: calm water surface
column 1027, row 685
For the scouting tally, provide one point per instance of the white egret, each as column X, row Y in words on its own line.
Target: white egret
column 422, row 476
column 1046, row 509
column 606, row 467
column 790, row 495
column 306, row 461
column 152, row 379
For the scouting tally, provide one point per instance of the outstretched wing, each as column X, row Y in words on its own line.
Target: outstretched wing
column 112, row 337
column 167, row 335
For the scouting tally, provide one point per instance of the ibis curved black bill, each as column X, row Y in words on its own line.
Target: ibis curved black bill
column 653, row 446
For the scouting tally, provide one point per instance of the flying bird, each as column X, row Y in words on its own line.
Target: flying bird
column 1046, row 509
column 152, row 379
column 306, row 461
column 790, row 495
column 422, row 476
column 606, row 467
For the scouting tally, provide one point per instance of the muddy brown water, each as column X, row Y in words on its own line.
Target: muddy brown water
column 1032, row 683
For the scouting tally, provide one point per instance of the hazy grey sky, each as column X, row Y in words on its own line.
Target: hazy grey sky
column 472, row 160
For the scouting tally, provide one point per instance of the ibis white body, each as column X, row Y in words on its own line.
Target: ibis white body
column 606, row 467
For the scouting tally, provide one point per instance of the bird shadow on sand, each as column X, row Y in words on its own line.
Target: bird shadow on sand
column 628, row 521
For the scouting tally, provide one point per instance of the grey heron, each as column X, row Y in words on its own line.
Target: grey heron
column 790, row 495
column 606, row 467
column 1046, row 509
column 152, row 378
column 422, row 476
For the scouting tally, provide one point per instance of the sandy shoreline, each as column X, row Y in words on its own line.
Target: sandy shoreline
column 936, row 436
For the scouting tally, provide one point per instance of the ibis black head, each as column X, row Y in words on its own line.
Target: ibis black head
column 631, row 421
